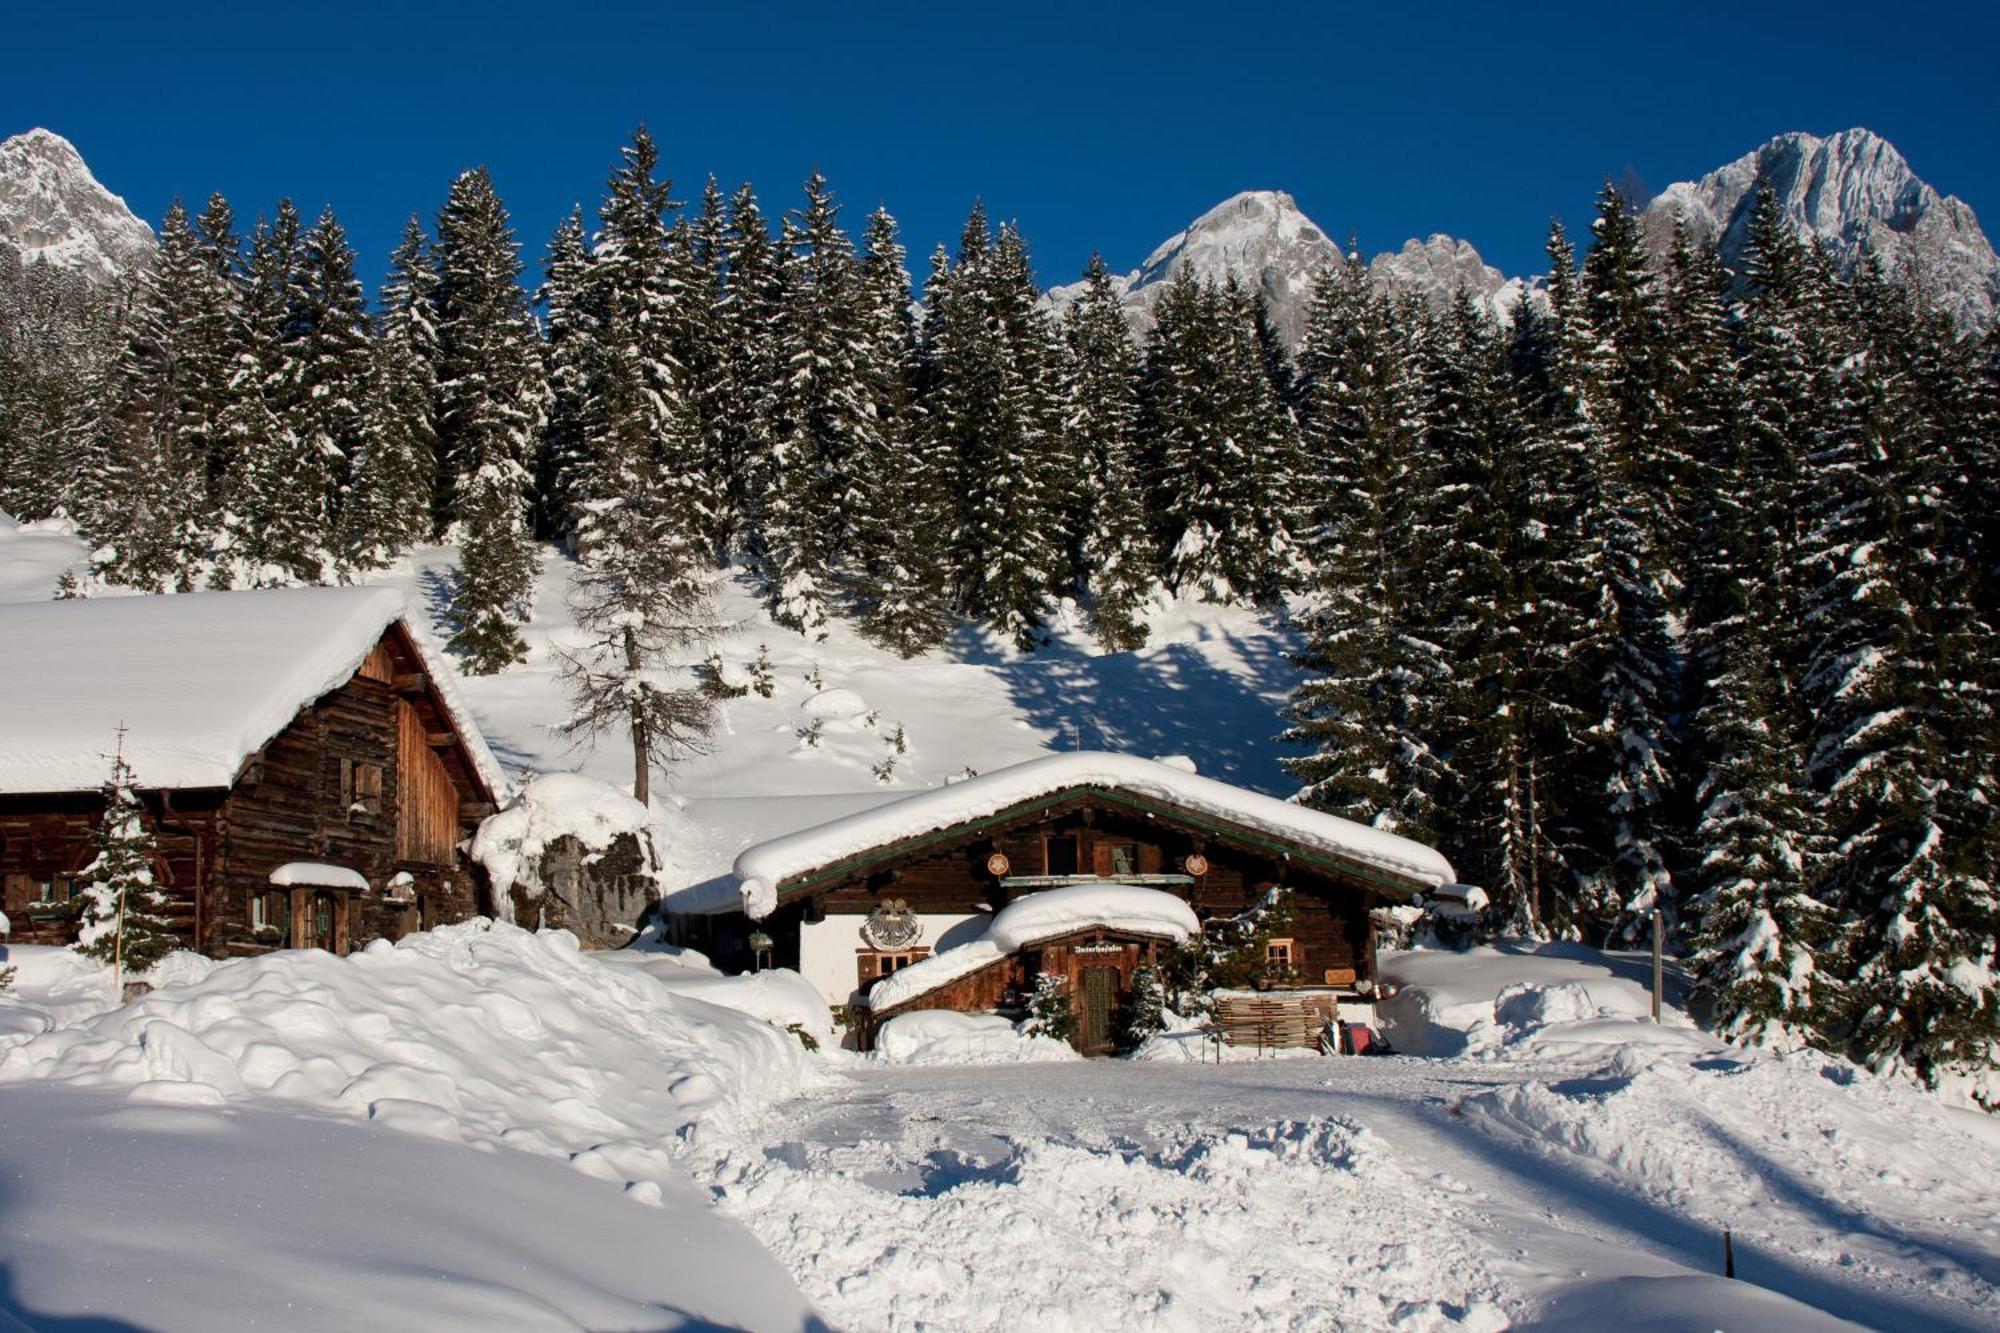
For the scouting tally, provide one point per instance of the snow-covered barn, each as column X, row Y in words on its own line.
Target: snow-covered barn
column 307, row 772
column 1084, row 862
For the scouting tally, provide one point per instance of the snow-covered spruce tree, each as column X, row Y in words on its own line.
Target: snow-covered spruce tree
column 277, row 533
column 59, row 336
column 1907, row 809
column 328, row 365
column 141, row 512
column 1756, row 929
column 389, row 508
column 898, row 499
column 701, row 348
column 990, row 354
column 1216, row 437
column 1373, row 671
column 491, row 401
column 215, row 338
column 1111, row 552
column 1613, row 360
column 570, row 317
column 823, row 425
column 125, row 919
column 751, row 374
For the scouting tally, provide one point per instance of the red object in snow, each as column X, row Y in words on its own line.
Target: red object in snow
column 1359, row 1039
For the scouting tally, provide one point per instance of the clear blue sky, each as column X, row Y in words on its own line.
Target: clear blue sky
column 1095, row 128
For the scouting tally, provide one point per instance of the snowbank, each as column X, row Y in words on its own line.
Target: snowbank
column 194, row 1218
column 778, row 996
column 1523, row 998
column 943, row 1037
column 546, row 808
column 1042, row 916
column 73, row 672
column 760, row 869
column 481, row 1033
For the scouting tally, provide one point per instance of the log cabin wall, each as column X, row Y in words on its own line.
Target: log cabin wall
column 45, row 841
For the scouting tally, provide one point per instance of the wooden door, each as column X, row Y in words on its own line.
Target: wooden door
column 326, row 924
column 1093, row 1022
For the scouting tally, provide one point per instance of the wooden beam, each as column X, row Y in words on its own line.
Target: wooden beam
column 476, row 809
column 409, row 682
column 440, row 740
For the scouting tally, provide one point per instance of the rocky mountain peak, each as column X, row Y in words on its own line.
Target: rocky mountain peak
column 53, row 209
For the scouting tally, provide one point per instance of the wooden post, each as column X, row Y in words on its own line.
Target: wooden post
column 1659, row 963
column 1728, row 1254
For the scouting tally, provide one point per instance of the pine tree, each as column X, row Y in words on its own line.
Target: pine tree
column 125, row 920
column 898, row 494
column 491, row 404
column 822, row 425
column 1373, row 669
column 571, row 317
column 1614, row 362
column 324, row 382
column 269, row 535
column 141, row 512
column 1109, row 541
column 751, row 377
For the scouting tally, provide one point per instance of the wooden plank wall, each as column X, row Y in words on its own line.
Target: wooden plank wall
column 426, row 800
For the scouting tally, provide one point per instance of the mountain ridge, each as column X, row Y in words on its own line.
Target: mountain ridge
column 52, row 209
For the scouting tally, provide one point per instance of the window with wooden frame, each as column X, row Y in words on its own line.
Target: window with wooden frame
column 361, row 787
column 1059, row 854
column 1279, row 953
column 271, row 917
column 872, row 965
column 1124, row 858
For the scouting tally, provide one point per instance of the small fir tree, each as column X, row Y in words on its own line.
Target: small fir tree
column 124, row 917
column 1050, row 1011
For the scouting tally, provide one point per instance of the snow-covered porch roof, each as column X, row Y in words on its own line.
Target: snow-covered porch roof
column 1123, row 909
column 779, row 865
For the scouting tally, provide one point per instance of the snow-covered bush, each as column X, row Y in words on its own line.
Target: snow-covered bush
column 762, row 678
column 1050, row 1012
column 1145, row 1013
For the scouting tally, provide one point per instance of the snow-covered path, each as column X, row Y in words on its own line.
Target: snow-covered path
column 1313, row 1194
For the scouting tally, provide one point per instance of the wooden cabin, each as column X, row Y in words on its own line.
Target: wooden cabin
column 306, row 772
column 858, row 899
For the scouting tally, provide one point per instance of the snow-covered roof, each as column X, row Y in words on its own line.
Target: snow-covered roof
column 760, row 869
column 200, row 681
column 1125, row 908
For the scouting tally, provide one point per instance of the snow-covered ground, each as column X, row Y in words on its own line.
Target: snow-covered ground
column 486, row 1125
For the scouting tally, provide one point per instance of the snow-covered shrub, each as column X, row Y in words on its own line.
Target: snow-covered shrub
column 124, row 920
column 899, row 740
column 762, row 678
column 1050, row 1012
column 721, row 680
column 1145, row 1013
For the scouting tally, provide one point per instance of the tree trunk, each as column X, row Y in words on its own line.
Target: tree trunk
column 642, row 741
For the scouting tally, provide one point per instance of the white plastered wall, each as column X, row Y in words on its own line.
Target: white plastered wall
column 826, row 948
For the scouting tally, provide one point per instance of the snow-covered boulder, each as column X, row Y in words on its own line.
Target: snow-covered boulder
column 573, row 852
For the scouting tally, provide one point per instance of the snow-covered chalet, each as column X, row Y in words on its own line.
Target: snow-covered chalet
column 1082, row 864
column 306, row 770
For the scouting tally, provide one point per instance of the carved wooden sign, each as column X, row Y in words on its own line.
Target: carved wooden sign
column 998, row 864
column 1196, row 864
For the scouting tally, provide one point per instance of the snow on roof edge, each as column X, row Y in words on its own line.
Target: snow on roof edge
column 761, row 868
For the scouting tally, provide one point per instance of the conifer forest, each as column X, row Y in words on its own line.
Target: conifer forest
column 1673, row 592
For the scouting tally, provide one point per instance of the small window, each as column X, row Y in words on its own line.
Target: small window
column 64, row 888
column 271, row 917
column 1125, row 858
column 1061, row 855
column 1278, row 953
column 361, row 787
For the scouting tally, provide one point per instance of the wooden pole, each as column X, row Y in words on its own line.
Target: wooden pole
column 1728, row 1254
column 1659, row 961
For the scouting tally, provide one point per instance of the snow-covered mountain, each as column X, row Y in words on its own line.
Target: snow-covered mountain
column 1263, row 240
column 52, row 208
column 1437, row 268
column 1855, row 193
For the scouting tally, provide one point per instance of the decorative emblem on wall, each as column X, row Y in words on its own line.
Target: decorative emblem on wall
column 998, row 864
column 1196, row 864
column 892, row 925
